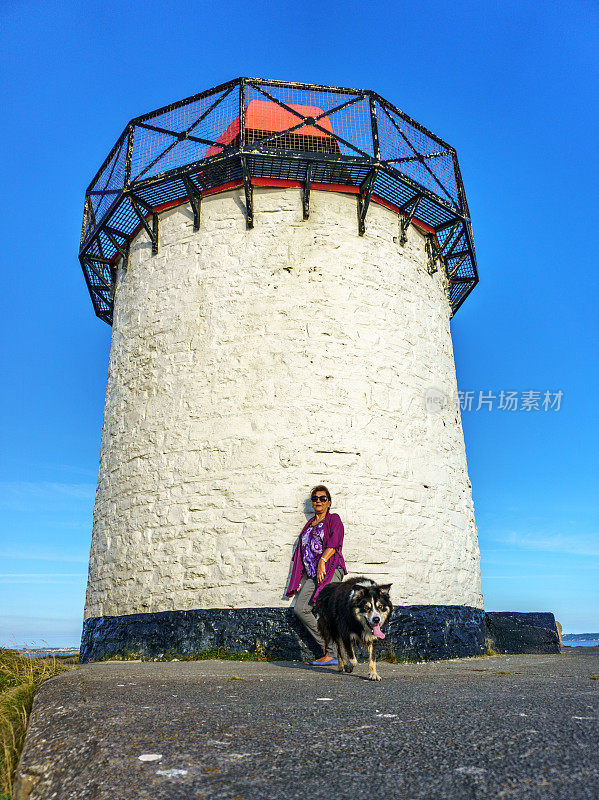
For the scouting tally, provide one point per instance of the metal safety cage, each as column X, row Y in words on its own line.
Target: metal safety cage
column 249, row 132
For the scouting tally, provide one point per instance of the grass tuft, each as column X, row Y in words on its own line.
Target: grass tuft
column 20, row 677
column 223, row 654
column 391, row 657
column 211, row 654
column 489, row 649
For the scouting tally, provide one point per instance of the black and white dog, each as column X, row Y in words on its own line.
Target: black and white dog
column 352, row 612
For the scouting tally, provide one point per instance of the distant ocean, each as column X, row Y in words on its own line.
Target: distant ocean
column 581, row 639
column 43, row 652
column 581, row 642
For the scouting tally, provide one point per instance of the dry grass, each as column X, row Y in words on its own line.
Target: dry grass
column 222, row 654
column 489, row 649
column 212, row 654
column 20, row 676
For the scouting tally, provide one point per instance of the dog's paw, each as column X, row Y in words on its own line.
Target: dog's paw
column 374, row 677
column 349, row 668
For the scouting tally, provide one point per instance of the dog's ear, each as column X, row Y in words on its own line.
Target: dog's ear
column 358, row 593
column 385, row 588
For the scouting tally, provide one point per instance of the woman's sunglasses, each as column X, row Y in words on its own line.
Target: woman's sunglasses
column 320, row 499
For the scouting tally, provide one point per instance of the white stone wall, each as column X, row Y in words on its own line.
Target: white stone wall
column 247, row 366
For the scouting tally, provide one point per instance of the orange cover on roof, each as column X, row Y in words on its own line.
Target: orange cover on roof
column 262, row 115
column 269, row 117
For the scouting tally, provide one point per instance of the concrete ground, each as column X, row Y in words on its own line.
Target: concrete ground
column 499, row 727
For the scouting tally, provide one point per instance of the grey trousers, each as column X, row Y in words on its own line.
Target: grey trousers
column 304, row 605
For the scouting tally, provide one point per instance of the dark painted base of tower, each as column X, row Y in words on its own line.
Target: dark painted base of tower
column 414, row 633
column 518, row 632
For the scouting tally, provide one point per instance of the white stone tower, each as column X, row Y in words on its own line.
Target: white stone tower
column 279, row 263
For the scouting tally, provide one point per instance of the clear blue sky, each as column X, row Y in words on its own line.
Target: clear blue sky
column 512, row 85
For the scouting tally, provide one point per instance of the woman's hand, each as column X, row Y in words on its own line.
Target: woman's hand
column 321, row 570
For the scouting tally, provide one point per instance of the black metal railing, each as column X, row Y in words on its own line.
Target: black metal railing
column 250, row 128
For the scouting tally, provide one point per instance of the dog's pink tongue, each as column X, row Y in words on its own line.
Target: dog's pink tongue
column 378, row 632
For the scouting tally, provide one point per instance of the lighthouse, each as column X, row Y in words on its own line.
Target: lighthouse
column 279, row 264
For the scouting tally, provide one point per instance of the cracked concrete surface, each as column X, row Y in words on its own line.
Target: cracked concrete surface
column 499, row 727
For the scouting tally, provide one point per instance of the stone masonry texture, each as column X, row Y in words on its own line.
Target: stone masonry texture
column 247, row 366
column 413, row 633
column 522, row 632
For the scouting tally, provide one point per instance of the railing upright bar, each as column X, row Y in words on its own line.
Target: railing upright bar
column 242, row 113
column 375, row 128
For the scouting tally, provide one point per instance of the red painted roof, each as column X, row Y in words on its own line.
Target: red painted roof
column 268, row 117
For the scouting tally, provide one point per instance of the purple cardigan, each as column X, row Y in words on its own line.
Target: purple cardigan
column 333, row 537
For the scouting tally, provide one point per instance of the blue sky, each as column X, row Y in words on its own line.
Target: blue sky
column 511, row 85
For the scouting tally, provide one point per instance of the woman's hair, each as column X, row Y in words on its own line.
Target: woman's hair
column 321, row 488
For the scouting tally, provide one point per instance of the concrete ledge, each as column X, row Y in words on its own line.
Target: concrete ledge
column 518, row 727
column 519, row 632
column 414, row 633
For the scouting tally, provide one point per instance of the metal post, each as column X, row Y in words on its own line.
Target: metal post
column 242, row 113
column 154, row 234
column 129, row 156
column 375, row 129
column 151, row 231
column 433, row 255
column 115, row 242
column 463, row 203
column 249, row 194
column 407, row 219
column 449, row 236
column 89, row 262
column 247, row 180
column 195, row 200
column 306, row 191
column 364, row 196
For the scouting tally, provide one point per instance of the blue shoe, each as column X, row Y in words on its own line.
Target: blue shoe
column 334, row 662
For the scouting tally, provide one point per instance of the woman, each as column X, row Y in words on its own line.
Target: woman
column 317, row 560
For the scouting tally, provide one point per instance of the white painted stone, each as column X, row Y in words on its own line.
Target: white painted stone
column 247, row 366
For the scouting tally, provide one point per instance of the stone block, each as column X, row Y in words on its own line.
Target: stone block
column 522, row 632
column 414, row 633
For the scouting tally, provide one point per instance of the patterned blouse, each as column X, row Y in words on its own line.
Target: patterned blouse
column 312, row 548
